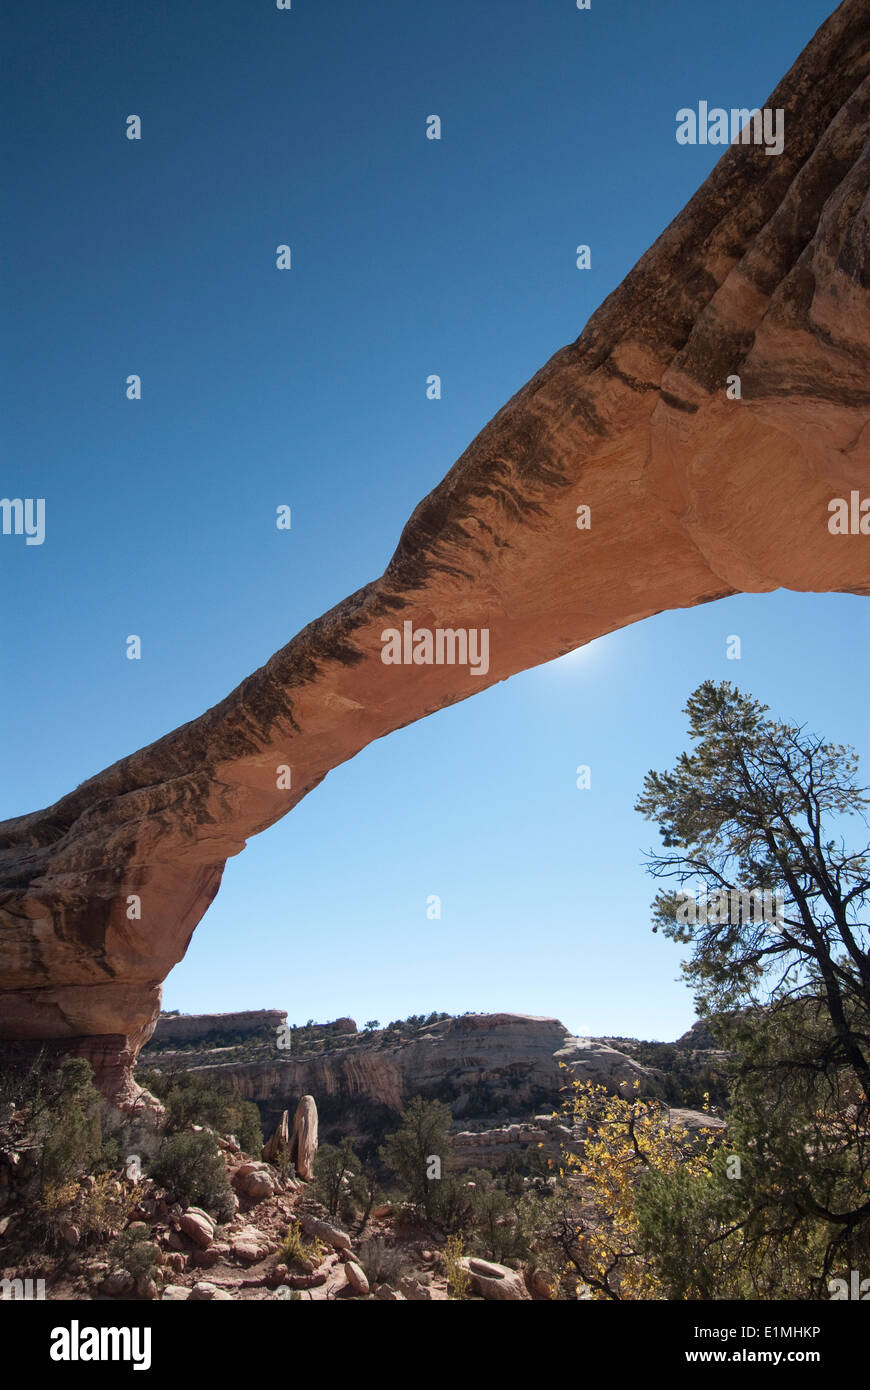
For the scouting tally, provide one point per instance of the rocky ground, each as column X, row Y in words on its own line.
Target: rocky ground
column 201, row 1259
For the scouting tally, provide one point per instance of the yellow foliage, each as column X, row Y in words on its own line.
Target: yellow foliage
column 294, row 1250
column 56, row 1197
column 95, row 1209
column 625, row 1137
column 458, row 1278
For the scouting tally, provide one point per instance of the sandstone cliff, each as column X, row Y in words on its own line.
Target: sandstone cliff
column 175, row 1028
column 480, row 1064
column 764, row 275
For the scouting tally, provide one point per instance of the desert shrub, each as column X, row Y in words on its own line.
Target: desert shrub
column 190, row 1099
column 294, row 1250
column 73, row 1143
column 629, row 1139
column 501, row 1224
column 281, row 1160
column 53, row 1209
column 95, row 1209
column 450, row 1205
column 124, row 1135
column 192, row 1170
column 336, row 1177
column 458, row 1278
column 135, row 1252
column 383, row 1264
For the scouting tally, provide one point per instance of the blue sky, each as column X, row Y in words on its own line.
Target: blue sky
column 307, row 387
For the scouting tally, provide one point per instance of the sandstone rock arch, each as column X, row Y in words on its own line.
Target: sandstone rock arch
column 693, row 496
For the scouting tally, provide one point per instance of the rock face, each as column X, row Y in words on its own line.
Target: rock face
column 478, row 1064
column 279, row 1140
column 176, row 1028
column 496, row 1148
column 764, row 275
column 303, row 1140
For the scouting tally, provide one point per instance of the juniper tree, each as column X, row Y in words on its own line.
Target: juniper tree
column 423, row 1135
column 761, row 804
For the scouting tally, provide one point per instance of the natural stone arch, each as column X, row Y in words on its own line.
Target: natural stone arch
column 693, row 496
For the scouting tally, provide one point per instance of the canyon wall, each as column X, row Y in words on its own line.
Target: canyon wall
column 478, row 1064
column 174, row 1028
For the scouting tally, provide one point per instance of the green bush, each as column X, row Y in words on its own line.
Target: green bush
column 191, row 1099
column 192, row 1170
column 73, row 1144
column 136, row 1252
column 336, row 1176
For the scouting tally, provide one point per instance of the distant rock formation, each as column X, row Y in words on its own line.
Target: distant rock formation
column 692, row 495
column 509, row 1145
column 178, row 1028
column 477, row 1063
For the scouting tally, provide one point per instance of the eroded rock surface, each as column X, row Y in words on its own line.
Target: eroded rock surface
column 693, row 497
column 477, row 1063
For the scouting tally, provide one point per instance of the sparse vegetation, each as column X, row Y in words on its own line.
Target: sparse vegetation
column 192, row 1169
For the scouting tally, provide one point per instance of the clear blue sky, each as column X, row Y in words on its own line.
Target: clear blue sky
column 307, row 387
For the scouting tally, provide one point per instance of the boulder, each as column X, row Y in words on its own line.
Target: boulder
column 204, row 1292
column 322, row 1230
column 255, row 1180
column 206, row 1259
column 249, row 1245
column 693, row 1120
column 119, row 1282
column 303, row 1142
column 199, row 1227
column 279, row 1141
column 496, row 1282
column 415, row 1290
column 258, row 1186
column 356, row 1278
column 541, row 1284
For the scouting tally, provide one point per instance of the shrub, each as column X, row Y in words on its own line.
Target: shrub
column 383, row 1264
column 135, row 1252
column 501, row 1224
column 190, row 1167
column 190, row 1099
column 294, row 1249
column 95, row 1210
column 73, row 1143
column 336, row 1176
column 458, row 1278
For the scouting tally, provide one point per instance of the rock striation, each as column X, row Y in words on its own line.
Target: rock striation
column 176, row 1028
column 764, row 276
column 478, row 1064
